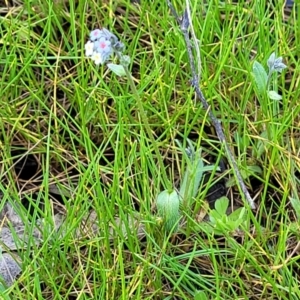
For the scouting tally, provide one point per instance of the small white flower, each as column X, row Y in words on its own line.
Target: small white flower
column 101, row 46
column 89, row 48
column 97, row 58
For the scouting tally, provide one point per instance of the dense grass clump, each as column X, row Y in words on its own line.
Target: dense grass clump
column 81, row 166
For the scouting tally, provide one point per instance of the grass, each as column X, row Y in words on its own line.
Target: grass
column 72, row 142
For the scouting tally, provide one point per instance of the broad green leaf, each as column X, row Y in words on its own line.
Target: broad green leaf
column 221, row 224
column 221, row 205
column 260, row 77
column 254, row 169
column 231, row 225
column 117, row 69
column 237, row 214
column 168, row 208
column 217, row 220
column 274, row 95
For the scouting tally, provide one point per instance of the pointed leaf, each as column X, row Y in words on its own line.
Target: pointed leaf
column 260, row 77
column 237, row 214
column 254, row 169
column 117, row 69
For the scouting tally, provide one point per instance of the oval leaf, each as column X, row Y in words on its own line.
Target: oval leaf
column 168, row 208
column 117, row 69
column 221, row 205
column 274, row 95
column 260, row 77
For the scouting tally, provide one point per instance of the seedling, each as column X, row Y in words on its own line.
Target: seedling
column 263, row 79
column 220, row 223
column 168, row 203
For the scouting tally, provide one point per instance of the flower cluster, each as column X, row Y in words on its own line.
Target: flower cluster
column 101, row 45
column 275, row 64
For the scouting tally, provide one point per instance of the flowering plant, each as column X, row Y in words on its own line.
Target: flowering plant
column 101, row 45
column 263, row 79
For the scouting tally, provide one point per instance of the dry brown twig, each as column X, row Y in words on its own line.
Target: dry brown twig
column 185, row 24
